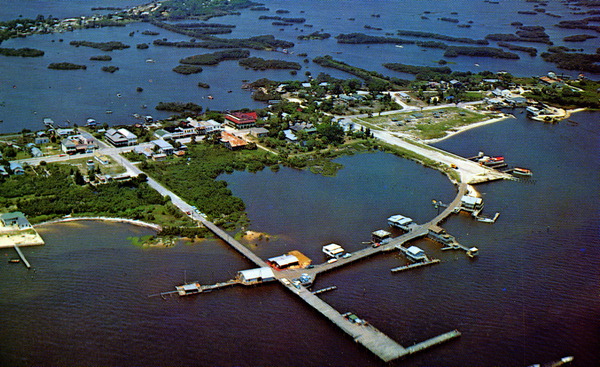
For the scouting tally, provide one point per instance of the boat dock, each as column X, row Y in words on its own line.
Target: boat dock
column 25, row 262
column 370, row 337
column 323, row 290
column 416, row 265
column 365, row 334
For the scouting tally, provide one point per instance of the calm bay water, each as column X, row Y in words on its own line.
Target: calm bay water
column 29, row 91
column 532, row 295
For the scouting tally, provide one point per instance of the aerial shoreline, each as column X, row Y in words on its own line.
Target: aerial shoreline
column 134, row 222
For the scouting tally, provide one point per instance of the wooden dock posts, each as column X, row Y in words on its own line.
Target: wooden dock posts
column 22, row 256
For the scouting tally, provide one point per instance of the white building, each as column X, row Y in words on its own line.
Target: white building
column 333, row 250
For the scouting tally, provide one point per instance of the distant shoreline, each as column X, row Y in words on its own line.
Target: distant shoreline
column 134, row 222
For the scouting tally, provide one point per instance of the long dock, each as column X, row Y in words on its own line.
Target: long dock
column 416, row 265
column 22, row 256
column 371, row 338
column 367, row 335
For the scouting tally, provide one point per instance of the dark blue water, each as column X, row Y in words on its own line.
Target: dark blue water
column 29, row 91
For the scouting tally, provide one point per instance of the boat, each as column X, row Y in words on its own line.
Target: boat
column 399, row 46
column 14, row 261
column 108, row 112
column 211, row 97
column 522, row 171
column 491, row 161
column 150, row 61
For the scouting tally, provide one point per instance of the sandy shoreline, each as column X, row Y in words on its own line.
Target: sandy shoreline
column 468, row 127
column 140, row 223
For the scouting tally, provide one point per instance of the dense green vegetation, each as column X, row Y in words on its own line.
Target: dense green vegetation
column 187, row 69
column 198, row 30
column 203, row 85
column 534, row 34
column 65, row 66
column 142, row 46
column 580, row 24
column 579, row 38
column 374, row 80
column 568, row 97
column 178, row 107
column 56, row 193
column 282, row 19
column 22, row 52
column 532, row 51
column 361, row 38
column 572, row 60
column 104, row 46
column 258, row 63
column 266, row 42
column 101, row 58
column 195, row 179
column 110, row 69
column 215, row 57
column 441, row 37
column 497, row 53
column 314, row 36
column 201, row 9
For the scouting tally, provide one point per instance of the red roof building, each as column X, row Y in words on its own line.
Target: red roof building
column 241, row 120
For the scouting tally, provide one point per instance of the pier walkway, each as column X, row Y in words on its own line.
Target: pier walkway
column 368, row 336
column 416, row 232
column 22, row 256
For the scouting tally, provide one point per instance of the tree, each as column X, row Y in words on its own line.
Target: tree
column 331, row 132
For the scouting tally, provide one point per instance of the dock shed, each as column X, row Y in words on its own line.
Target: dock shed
column 400, row 221
column 471, row 203
column 416, row 253
column 381, row 236
column 283, row 261
column 333, row 250
column 256, row 275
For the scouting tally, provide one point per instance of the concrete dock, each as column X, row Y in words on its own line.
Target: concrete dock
column 25, row 262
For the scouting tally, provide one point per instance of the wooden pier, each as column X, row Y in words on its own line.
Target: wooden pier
column 25, row 262
column 323, row 290
column 365, row 334
column 235, row 244
column 416, row 265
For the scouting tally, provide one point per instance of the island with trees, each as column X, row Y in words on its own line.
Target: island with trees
column 104, row 46
column 215, row 57
column 258, row 63
column 66, row 66
column 21, row 52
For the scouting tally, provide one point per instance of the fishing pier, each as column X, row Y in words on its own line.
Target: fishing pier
column 363, row 333
column 367, row 335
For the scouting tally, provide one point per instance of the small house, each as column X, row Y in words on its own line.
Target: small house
column 17, row 168
column 14, row 219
